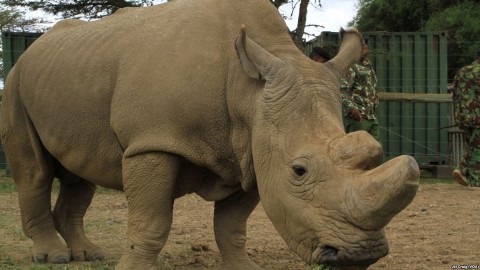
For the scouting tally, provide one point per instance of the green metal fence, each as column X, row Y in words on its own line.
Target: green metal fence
column 13, row 44
column 408, row 62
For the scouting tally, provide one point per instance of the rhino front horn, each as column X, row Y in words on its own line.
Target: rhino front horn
column 376, row 196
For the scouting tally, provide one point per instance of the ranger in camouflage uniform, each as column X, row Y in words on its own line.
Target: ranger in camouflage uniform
column 360, row 100
column 466, row 102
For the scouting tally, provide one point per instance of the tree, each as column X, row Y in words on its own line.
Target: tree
column 458, row 17
column 298, row 33
column 395, row 16
column 462, row 23
column 89, row 9
column 14, row 20
column 94, row 9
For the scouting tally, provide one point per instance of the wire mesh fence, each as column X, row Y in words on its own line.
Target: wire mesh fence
column 430, row 139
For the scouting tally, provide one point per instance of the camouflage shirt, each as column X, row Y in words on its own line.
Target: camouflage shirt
column 466, row 94
column 359, row 90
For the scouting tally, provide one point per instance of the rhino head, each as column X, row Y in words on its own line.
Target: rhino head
column 318, row 185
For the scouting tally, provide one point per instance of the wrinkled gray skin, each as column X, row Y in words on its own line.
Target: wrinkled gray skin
column 178, row 98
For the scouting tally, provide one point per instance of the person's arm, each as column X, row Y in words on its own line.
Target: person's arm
column 454, row 89
column 349, row 106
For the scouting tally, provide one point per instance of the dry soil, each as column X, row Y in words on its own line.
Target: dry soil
column 439, row 230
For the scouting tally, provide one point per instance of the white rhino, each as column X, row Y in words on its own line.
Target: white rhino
column 179, row 98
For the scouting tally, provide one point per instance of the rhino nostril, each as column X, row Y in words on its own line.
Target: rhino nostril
column 329, row 253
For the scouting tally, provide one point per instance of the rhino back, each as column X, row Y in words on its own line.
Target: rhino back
column 149, row 79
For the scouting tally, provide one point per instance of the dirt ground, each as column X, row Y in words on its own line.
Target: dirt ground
column 440, row 229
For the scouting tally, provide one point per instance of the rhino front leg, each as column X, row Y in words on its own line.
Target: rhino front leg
column 149, row 182
column 73, row 200
column 230, row 222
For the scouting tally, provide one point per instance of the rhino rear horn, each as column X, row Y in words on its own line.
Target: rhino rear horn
column 257, row 62
column 349, row 52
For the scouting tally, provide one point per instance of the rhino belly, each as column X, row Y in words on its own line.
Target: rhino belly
column 94, row 159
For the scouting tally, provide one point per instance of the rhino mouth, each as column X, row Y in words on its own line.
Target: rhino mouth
column 332, row 256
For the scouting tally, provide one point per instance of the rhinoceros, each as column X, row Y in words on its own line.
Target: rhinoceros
column 209, row 97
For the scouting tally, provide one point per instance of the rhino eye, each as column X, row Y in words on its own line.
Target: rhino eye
column 299, row 170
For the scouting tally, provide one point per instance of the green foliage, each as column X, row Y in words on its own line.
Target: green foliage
column 6, row 183
column 8, row 18
column 94, row 9
column 78, row 8
column 11, row 18
column 6, row 187
column 7, row 263
column 458, row 17
column 462, row 23
column 385, row 15
column 90, row 266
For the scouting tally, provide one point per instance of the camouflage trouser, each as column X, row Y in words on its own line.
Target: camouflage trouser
column 470, row 162
column 370, row 126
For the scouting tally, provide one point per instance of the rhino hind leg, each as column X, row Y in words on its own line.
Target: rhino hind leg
column 230, row 222
column 73, row 200
column 37, row 220
column 32, row 169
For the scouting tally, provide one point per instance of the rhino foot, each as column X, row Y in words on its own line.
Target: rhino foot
column 55, row 256
column 88, row 255
column 131, row 260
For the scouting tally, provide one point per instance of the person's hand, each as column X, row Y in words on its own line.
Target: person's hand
column 356, row 115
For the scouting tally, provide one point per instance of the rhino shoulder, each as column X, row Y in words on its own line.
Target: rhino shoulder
column 63, row 25
column 124, row 10
column 68, row 23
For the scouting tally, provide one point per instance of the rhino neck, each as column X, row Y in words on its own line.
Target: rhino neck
column 241, row 99
column 252, row 104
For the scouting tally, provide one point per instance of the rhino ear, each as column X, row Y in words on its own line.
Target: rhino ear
column 248, row 67
column 256, row 62
column 350, row 52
